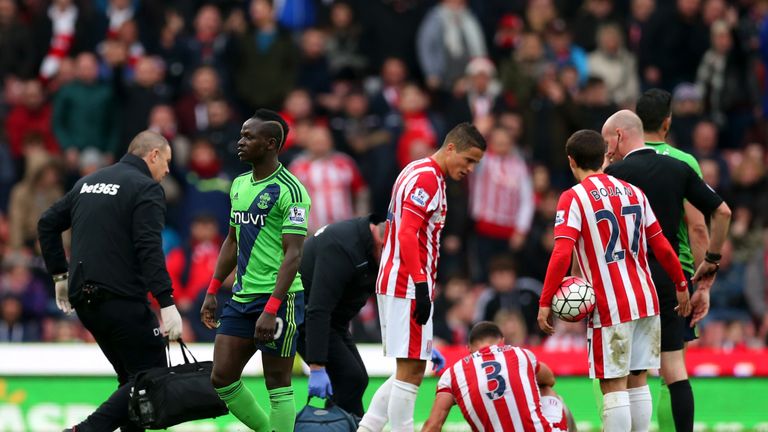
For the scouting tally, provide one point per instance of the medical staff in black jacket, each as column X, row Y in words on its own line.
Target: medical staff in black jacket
column 116, row 215
column 338, row 269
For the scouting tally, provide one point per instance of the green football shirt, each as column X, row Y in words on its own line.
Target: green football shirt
column 685, row 254
column 262, row 211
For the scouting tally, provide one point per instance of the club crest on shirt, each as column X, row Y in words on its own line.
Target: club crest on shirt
column 420, row 197
column 264, row 201
column 297, row 215
column 559, row 217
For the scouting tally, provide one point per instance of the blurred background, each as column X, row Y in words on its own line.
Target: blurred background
column 367, row 86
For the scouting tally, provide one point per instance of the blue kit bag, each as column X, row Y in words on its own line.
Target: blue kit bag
column 331, row 418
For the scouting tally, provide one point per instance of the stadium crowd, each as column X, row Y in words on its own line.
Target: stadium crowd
column 367, row 86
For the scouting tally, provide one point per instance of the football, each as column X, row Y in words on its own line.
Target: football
column 573, row 300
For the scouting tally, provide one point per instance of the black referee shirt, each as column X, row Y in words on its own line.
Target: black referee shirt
column 667, row 182
column 338, row 272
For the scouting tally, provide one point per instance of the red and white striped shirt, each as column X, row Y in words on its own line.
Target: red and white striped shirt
column 610, row 220
column 501, row 195
column 331, row 181
column 496, row 389
column 420, row 189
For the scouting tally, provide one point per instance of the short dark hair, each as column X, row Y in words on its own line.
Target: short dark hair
column 205, row 218
column 501, row 263
column 594, row 81
column 587, row 148
column 456, row 275
column 465, row 135
column 277, row 131
column 202, row 139
column 653, row 107
column 484, row 330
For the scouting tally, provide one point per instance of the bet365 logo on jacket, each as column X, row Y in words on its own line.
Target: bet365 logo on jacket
column 100, row 188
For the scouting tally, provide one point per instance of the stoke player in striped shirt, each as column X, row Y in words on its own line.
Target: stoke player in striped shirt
column 408, row 269
column 332, row 179
column 611, row 225
column 499, row 387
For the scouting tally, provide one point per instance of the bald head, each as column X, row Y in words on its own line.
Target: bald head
column 145, row 142
column 623, row 132
column 627, row 121
column 154, row 149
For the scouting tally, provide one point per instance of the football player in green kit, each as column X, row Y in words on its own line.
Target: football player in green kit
column 268, row 224
column 676, row 402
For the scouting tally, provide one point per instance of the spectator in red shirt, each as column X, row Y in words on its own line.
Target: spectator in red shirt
column 501, row 201
column 332, row 179
column 418, row 137
column 296, row 107
column 31, row 116
column 191, row 266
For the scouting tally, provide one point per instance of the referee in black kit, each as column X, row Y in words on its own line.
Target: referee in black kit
column 116, row 215
column 668, row 182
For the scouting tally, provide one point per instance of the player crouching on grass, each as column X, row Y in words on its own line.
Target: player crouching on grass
column 499, row 387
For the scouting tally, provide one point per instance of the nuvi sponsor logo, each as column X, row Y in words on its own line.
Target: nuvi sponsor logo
column 100, row 188
column 248, row 218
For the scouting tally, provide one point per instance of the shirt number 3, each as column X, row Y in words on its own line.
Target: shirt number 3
column 496, row 383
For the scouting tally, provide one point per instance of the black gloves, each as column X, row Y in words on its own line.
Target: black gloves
column 423, row 304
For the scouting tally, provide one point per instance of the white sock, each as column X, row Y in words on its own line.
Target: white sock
column 401, row 404
column 617, row 416
column 376, row 416
column 641, row 406
column 552, row 409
